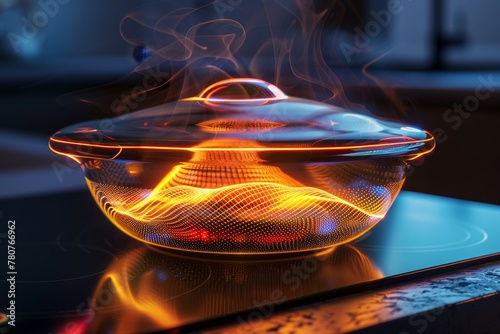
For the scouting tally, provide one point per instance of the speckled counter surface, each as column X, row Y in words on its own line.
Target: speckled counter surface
column 461, row 301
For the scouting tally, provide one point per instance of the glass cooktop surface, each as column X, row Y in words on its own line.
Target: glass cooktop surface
column 77, row 273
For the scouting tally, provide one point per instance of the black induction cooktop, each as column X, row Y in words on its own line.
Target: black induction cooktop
column 76, row 273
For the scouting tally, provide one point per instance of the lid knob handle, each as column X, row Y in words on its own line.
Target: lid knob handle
column 241, row 90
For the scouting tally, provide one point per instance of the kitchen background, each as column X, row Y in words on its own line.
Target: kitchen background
column 433, row 63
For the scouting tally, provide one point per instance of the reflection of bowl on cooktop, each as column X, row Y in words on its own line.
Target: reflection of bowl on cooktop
column 153, row 290
column 242, row 168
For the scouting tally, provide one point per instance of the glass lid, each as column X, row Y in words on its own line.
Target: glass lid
column 242, row 114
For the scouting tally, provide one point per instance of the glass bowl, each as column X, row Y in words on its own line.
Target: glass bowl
column 244, row 169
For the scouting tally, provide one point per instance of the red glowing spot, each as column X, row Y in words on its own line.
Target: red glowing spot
column 145, row 123
column 204, row 236
column 3, row 318
column 76, row 326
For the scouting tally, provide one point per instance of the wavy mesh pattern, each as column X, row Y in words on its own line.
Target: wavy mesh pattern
column 253, row 208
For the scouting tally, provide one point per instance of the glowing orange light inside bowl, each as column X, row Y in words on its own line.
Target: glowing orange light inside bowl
column 232, row 202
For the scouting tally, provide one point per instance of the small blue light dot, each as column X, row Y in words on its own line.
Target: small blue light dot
column 141, row 53
column 161, row 275
column 151, row 237
column 327, row 226
column 380, row 191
